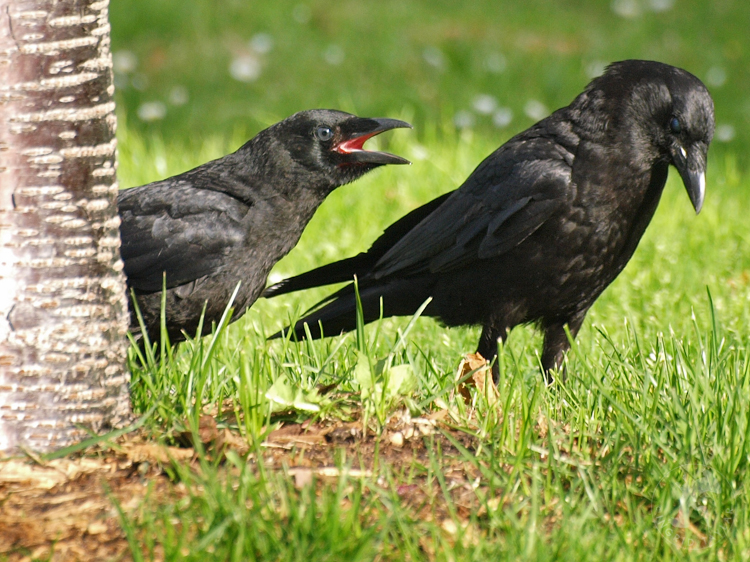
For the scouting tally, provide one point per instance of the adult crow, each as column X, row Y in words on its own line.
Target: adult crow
column 232, row 219
column 543, row 225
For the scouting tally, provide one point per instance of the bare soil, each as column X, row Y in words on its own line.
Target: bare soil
column 66, row 509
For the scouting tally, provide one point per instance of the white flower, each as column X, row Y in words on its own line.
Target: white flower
column 124, row 62
column 724, row 133
column 535, row 109
column 434, row 57
column 261, row 43
column 627, row 8
column 502, row 117
column 152, row 111
column 178, row 95
column 716, row 76
column 660, row 5
column 484, row 104
column 463, row 120
column 245, row 68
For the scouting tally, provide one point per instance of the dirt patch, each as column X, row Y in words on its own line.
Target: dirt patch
column 66, row 509
column 423, row 460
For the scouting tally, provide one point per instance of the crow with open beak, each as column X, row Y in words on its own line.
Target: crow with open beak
column 230, row 220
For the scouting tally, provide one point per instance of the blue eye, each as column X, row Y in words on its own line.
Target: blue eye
column 674, row 126
column 324, row 133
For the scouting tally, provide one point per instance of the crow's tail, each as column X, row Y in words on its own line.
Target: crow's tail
column 337, row 272
column 360, row 265
column 338, row 312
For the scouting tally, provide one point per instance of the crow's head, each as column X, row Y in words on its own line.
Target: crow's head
column 667, row 113
column 327, row 145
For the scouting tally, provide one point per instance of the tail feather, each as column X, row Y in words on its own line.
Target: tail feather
column 337, row 313
column 336, row 272
column 361, row 264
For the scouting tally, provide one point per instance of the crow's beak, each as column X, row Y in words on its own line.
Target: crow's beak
column 356, row 132
column 691, row 164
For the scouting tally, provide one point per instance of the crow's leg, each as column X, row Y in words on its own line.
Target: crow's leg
column 488, row 346
column 556, row 344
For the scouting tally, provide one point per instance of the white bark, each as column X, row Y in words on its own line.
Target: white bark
column 62, row 298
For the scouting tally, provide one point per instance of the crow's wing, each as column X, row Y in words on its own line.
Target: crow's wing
column 174, row 228
column 508, row 197
column 361, row 264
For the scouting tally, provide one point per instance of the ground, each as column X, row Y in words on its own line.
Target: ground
column 67, row 509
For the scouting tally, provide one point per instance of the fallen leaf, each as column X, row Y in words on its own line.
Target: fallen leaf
column 230, row 440
column 155, row 453
column 207, row 432
column 481, row 378
column 97, row 528
column 440, row 415
column 294, row 433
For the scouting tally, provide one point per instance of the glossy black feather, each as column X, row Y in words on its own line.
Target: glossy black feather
column 179, row 230
column 545, row 223
column 229, row 221
column 345, row 270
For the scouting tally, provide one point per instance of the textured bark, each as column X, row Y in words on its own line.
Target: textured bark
column 62, row 297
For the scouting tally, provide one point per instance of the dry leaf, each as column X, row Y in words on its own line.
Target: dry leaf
column 154, row 453
column 296, row 434
column 439, row 415
column 237, row 443
column 207, row 432
column 481, row 379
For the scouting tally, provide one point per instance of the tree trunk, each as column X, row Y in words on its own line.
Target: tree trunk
column 62, row 292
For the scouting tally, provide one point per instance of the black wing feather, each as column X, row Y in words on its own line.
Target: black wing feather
column 487, row 216
column 178, row 230
column 345, row 270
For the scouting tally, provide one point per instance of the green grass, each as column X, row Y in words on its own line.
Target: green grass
column 427, row 58
column 651, row 425
column 641, row 455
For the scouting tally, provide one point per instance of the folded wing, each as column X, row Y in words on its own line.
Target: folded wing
column 183, row 232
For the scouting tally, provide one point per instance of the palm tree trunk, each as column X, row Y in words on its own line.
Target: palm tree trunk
column 62, row 296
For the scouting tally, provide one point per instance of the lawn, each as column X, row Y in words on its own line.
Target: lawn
column 363, row 447
column 641, row 454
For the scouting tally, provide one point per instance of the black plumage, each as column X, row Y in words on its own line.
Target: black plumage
column 543, row 225
column 230, row 220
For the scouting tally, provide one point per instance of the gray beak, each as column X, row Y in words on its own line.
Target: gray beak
column 691, row 164
column 358, row 130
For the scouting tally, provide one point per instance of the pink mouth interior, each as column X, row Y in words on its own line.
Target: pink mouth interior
column 354, row 145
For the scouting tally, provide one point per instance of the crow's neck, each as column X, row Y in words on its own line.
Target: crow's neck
column 283, row 195
column 263, row 172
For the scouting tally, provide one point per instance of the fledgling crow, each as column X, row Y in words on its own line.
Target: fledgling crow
column 230, row 220
column 543, row 225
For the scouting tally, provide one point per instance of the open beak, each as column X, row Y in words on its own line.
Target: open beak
column 358, row 130
column 691, row 164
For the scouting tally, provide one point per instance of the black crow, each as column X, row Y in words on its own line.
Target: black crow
column 232, row 219
column 543, row 225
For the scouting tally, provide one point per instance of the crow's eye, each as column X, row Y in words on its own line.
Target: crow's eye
column 674, row 126
column 324, row 133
